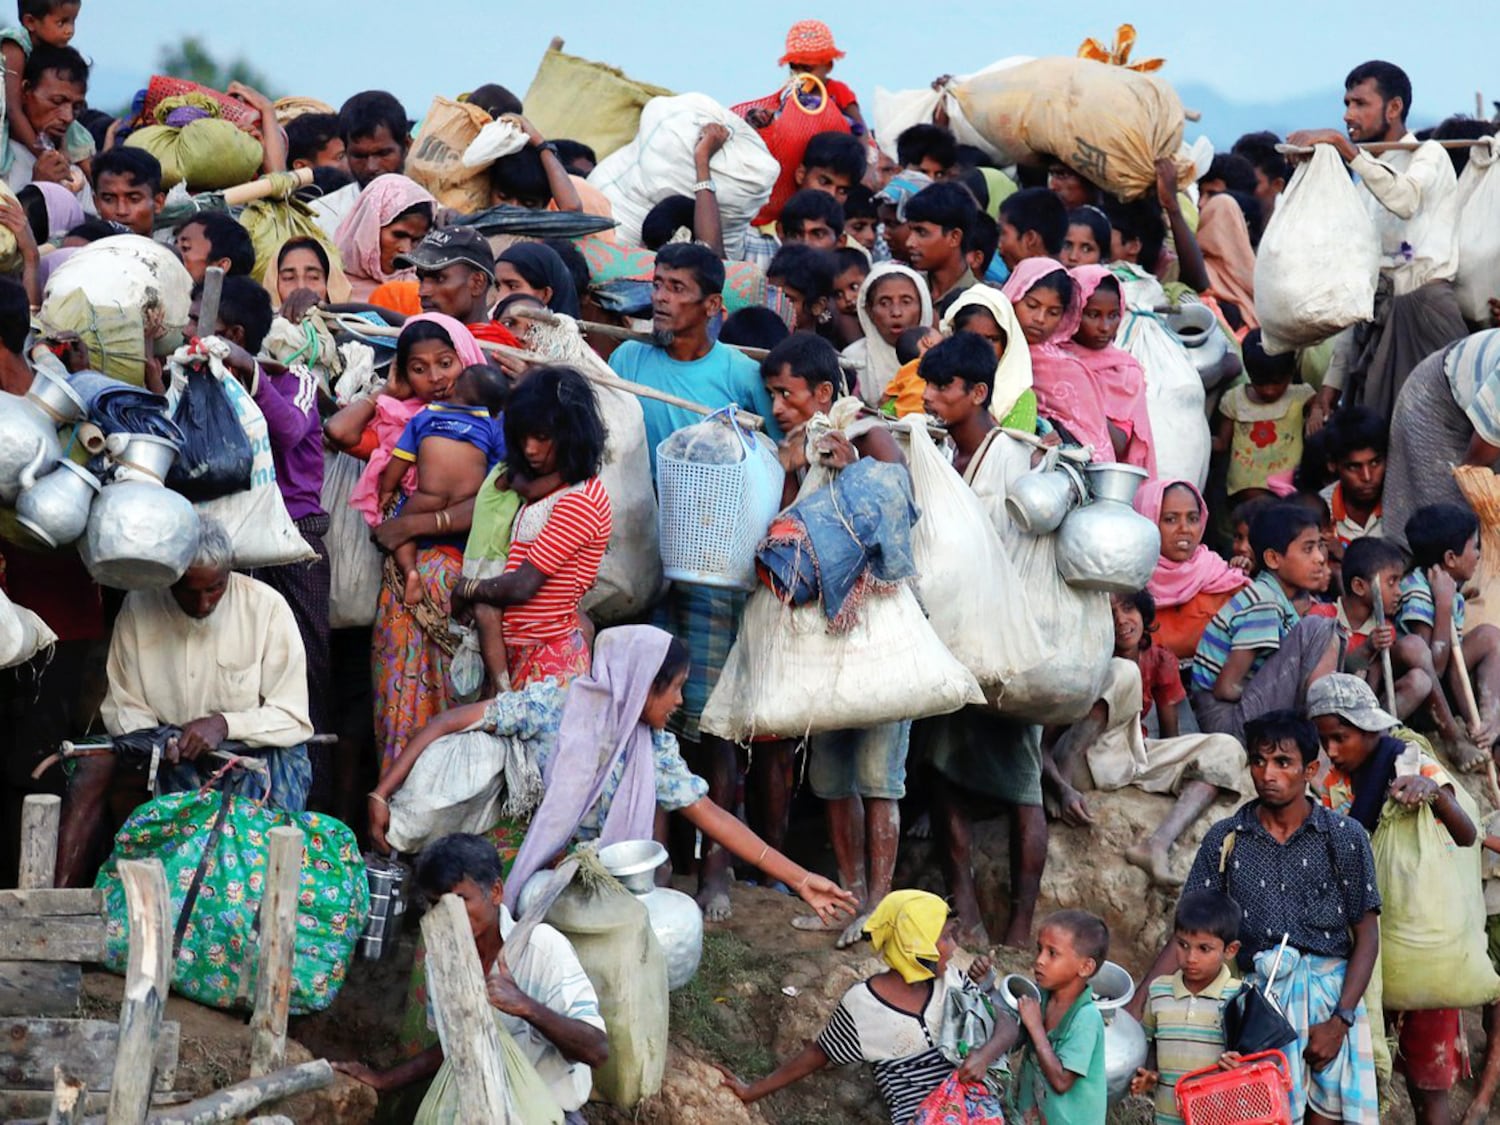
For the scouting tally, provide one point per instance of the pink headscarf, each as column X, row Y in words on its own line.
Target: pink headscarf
column 1121, row 382
column 1064, row 387
column 358, row 236
column 1177, row 583
column 464, row 344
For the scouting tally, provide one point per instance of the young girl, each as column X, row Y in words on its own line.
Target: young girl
column 986, row 313
column 1121, row 382
column 892, row 299
column 303, row 265
column 1261, row 424
column 810, row 49
column 1048, row 311
column 554, row 442
column 1190, row 583
column 1088, row 237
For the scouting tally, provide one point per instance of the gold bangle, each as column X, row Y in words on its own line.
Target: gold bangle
column 377, row 797
column 443, row 522
column 764, row 849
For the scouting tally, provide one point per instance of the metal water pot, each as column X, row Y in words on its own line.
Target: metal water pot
column 1197, row 330
column 1106, row 544
column 675, row 918
column 1124, row 1040
column 1040, row 500
column 28, row 430
column 56, row 508
column 140, row 534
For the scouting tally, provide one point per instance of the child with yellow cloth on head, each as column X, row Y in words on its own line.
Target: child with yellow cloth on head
column 894, row 1020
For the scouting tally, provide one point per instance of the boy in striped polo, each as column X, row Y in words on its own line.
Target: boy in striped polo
column 1184, row 1016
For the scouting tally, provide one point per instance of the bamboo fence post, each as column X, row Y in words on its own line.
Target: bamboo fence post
column 69, row 1097
column 41, row 815
column 147, row 974
column 465, row 1025
column 278, row 931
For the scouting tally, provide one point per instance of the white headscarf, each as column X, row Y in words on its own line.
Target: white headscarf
column 879, row 358
column 1013, row 372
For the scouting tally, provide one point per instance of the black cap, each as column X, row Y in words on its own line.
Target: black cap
column 448, row 245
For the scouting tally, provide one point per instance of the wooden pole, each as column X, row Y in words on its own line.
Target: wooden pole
column 243, row 1097
column 1471, row 708
column 147, row 975
column 1375, row 148
column 41, row 814
column 465, row 1023
column 278, row 931
column 68, row 1099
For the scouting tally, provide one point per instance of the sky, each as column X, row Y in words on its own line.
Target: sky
column 1265, row 52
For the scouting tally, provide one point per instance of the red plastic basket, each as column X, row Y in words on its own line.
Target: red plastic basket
column 792, row 127
column 231, row 109
column 1257, row 1092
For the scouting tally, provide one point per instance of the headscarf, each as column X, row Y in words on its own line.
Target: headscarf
column 464, row 344
column 878, row 357
column 1117, row 375
column 1065, row 389
column 358, row 236
column 64, row 212
column 904, row 929
column 1013, row 372
column 339, row 289
column 1224, row 238
column 1177, row 583
column 533, row 260
column 601, row 725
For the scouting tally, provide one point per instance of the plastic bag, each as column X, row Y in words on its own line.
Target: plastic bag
column 218, row 959
column 960, row 1103
column 800, row 111
column 215, row 458
column 22, row 633
column 353, row 558
column 588, row 101
column 1432, row 943
column 495, row 139
column 456, row 786
column 1478, row 277
column 988, row 628
column 659, row 163
column 436, row 158
column 1319, row 260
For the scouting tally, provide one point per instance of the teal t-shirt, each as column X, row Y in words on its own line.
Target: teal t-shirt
column 1078, row 1042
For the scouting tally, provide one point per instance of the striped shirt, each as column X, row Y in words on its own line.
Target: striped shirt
column 1188, row 1030
column 1417, row 607
column 1258, row 618
column 564, row 536
column 901, row 1047
column 1473, row 369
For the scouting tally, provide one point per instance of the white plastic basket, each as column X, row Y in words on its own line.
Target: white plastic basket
column 712, row 517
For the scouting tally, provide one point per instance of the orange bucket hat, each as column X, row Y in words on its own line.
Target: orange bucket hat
column 809, row 42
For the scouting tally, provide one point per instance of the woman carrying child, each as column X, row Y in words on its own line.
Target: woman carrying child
column 1121, row 382
column 892, row 299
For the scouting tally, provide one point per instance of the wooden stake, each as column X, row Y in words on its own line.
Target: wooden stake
column 278, row 931
column 1471, row 708
column 147, row 974
column 68, row 1099
column 243, row 1097
column 41, row 814
column 465, row 1023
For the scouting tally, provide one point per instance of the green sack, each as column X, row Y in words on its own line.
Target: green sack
column 209, row 154
column 161, row 142
column 217, row 962
column 588, row 101
column 1433, row 949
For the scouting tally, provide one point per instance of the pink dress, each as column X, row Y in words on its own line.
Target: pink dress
column 391, row 416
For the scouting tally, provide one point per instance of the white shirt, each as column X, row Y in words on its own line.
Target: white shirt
column 244, row 661
column 23, row 163
column 1413, row 198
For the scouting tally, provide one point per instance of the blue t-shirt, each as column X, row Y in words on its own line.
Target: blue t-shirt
column 472, row 424
column 721, row 377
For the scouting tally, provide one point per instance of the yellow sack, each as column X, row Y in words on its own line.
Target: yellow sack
column 587, row 101
column 1433, row 949
column 209, row 154
column 436, row 157
column 272, row 222
column 1108, row 123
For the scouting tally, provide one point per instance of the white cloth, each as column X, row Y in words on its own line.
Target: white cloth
column 329, row 210
column 244, row 661
column 23, row 163
column 1413, row 198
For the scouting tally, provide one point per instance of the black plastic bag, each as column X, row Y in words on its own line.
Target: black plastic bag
column 1252, row 1023
column 215, row 459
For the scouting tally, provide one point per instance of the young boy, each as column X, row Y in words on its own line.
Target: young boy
column 832, row 163
column 215, row 239
column 1258, row 654
column 861, row 219
column 1444, row 541
column 127, row 188
column 806, row 275
column 454, row 445
column 1355, row 442
column 1062, row 1068
column 1184, row 1018
column 929, row 149
column 810, row 49
column 1033, row 224
column 48, row 23
column 853, row 268
column 813, row 218
column 939, row 221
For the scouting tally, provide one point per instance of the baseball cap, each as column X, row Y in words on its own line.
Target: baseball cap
column 1352, row 700
column 448, row 245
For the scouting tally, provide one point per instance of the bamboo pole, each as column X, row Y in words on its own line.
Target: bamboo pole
column 278, row 931
column 41, row 814
column 243, row 1097
column 147, row 974
column 465, row 1025
column 1375, row 148
column 1471, row 708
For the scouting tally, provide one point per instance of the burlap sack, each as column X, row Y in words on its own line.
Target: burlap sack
column 436, row 157
column 587, row 101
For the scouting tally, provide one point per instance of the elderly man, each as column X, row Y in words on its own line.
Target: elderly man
column 53, row 88
column 218, row 656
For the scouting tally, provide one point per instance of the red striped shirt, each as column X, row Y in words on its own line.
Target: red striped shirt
column 567, row 548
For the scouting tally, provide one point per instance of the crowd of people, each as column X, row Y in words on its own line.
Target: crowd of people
column 1303, row 649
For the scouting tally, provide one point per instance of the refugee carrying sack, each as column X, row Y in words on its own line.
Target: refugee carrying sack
column 658, row 163
column 436, row 158
column 1433, row 950
column 220, row 844
column 1478, row 277
column 988, row 628
column 1319, row 260
column 214, row 459
column 353, row 559
column 588, row 101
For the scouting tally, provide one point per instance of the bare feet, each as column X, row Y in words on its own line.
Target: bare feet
column 812, row 924
column 413, row 592
column 854, row 932
column 1478, row 1112
column 921, row 828
column 1154, row 862
column 1465, row 755
column 713, row 897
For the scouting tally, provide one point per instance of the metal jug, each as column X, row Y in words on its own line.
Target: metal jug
column 56, row 508
column 28, row 430
column 1039, row 501
column 1106, row 544
column 387, row 906
column 1197, row 329
column 1124, row 1040
column 140, row 534
column 675, row 918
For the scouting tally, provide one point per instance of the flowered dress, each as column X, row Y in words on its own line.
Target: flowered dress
column 1267, row 438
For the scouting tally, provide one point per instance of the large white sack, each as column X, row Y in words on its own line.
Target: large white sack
column 22, row 633
column 893, row 112
column 659, row 163
column 1319, row 260
column 1479, row 232
column 964, row 576
column 128, row 271
column 788, row 675
column 456, row 785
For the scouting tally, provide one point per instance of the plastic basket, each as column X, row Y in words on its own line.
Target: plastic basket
column 233, row 110
column 1257, row 1092
column 712, row 517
